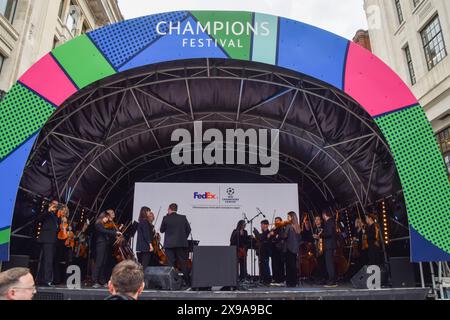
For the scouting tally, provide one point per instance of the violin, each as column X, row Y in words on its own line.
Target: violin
column 70, row 241
column 63, row 233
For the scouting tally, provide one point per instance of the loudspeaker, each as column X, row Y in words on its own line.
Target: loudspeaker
column 402, row 273
column 214, row 267
column 162, row 278
column 359, row 280
column 16, row 262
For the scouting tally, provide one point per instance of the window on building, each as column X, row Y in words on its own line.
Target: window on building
column 8, row 9
column 433, row 43
column 412, row 73
column 72, row 18
column 444, row 144
column 398, row 6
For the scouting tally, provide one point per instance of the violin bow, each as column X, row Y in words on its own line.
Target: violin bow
column 157, row 217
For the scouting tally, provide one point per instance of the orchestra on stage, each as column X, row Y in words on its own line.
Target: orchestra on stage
column 290, row 250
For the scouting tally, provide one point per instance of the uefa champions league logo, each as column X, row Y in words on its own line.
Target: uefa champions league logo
column 230, row 192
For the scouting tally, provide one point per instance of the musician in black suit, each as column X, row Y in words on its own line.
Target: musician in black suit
column 330, row 244
column 47, row 238
column 145, row 236
column 278, row 252
column 104, row 238
column 264, row 251
column 177, row 230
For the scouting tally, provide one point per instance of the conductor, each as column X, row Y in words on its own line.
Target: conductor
column 177, row 230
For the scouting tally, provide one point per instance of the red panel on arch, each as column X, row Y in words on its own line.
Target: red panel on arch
column 48, row 79
column 373, row 84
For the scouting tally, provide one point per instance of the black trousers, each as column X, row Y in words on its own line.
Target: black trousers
column 291, row 269
column 102, row 249
column 329, row 262
column 48, row 261
column 181, row 256
column 278, row 265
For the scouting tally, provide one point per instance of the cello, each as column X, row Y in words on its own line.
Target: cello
column 157, row 246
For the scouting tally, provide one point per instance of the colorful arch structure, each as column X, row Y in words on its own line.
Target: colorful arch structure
column 241, row 36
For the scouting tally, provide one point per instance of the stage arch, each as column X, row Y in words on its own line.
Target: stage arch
column 337, row 69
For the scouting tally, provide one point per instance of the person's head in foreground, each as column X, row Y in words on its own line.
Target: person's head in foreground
column 17, row 284
column 127, row 281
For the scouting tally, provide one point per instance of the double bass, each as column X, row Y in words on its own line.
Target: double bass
column 307, row 261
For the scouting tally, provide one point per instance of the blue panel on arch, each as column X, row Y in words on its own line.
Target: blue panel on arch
column 312, row 51
column 121, row 41
column 424, row 250
column 4, row 252
column 11, row 170
column 177, row 47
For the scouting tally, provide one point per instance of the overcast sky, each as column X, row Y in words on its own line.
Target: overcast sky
column 341, row 17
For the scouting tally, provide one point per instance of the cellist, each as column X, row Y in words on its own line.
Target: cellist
column 145, row 236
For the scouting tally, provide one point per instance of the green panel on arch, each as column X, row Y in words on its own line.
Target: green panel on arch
column 5, row 236
column 82, row 61
column 422, row 172
column 23, row 113
column 237, row 47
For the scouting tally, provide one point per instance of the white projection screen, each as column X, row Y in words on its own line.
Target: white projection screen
column 215, row 209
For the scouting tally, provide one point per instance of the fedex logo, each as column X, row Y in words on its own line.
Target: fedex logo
column 205, row 196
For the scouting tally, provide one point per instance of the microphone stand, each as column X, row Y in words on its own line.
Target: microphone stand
column 253, row 257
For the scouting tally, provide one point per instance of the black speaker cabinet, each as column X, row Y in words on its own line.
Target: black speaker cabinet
column 214, row 267
column 16, row 262
column 359, row 280
column 162, row 278
column 402, row 273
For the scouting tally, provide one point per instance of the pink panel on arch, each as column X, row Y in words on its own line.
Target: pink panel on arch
column 373, row 84
column 48, row 79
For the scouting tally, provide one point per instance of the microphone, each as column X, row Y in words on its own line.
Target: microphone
column 260, row 212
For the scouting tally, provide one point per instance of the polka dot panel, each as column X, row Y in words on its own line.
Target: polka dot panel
column 22, row 113
column 121, row 41
column 422, row 172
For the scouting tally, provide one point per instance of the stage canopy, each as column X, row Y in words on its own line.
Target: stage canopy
column 96, row 115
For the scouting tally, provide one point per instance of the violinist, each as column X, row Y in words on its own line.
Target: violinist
column 240, row 239
column 145, row 235
column 330, row 245
column 47, row 238
column 373, row 240
column 278, row 252
column 264, row 251
column 292, row 236
column 63, row 253
column 106, row 232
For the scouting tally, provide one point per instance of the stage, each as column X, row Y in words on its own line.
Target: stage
column 261, row 293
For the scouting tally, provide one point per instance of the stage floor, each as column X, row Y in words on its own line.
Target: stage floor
column 260, row 293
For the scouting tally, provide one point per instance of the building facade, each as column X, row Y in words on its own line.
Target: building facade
column 29, row 29
column 413, row 38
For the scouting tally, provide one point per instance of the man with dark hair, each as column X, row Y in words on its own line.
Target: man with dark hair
column 127, row 281
column 264, row 251
column 330, row 245
column 278, row 252
column 177, row 230
column 17, row 284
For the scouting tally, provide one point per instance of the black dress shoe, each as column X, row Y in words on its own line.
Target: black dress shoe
column 49, row 285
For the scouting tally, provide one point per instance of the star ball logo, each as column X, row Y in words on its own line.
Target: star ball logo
column 230, row 192
column 204, row 196
column 231, row 196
